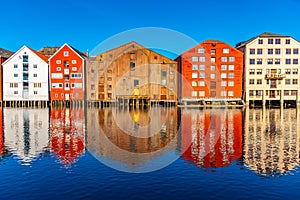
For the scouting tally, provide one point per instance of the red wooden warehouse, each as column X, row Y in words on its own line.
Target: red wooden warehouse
column 67, row 74
column 211, row 71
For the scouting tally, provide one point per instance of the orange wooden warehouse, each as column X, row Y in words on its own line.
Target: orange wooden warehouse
column 211, row 72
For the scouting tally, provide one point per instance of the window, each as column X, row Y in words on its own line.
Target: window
column 230, row 83
column 76, row 75
column 230, row 93
column 201, row 50
column 225, row 51
column 136, row 83
column 74, row 68
column 251, row 93
column 194, row 59
column 212, row 51
column 288, row 51
column 194, row 93
column 295, row 81
column 132, row 65
column 15, row 66
column 258, row 93
column 259, row 51
column 56, row 75
column 270, row 61
column 202, row 75
column 286, row 92
column 37, row 85
column 259, row 71
column 270, row 51
column 202, row 59
column 288, row 61
column 223, row 67
column 294, row 92
column 270, row 41
column 74, row 62
column 287, row 41
column 201, row 83
column 163, row 73
column 260, row 41
column 224, row 59
column 66, row 53
column 231, row 75
column 15, row 92
column 277, row 51
column 223, row 83
column 194, row 83
column 277, row 61
column 252, row 61
column 58, row 68
column 295, row 61
column 213, row 85
column 277, row 41
column 62, row 95
column 15, row 75
column 251, row 71
column 194, row 67
column 287, row 81
column 231, row 59
column 25, row 58
column 57, row 85
column 56, row 95
column 58, row 62
column 76, row 85
column 212, row 76
column 251, row 81
column 212, row 67
column 223, row 93
column 201, row 93
column 35, row 75
column 295, row 71
column 202, row 67
column 194, row 75
column 252, row 51
column 213, row 59
column 259, row 81
column 35, row 92
column 295, row 51
column 287, row 71
column 259, row 61
column 223, row 75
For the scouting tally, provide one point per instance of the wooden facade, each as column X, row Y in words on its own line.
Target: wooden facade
column 211, row 71
column 131, row 70
column 67, row 71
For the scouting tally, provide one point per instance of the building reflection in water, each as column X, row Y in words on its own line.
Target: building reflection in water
column 271, row 140
column 26, row 132
column 214, row 136
column 67, row 136
column 1, row 134
column 133, row 140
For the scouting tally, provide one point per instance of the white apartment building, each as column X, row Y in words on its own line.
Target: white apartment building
column 25, row 76
column 271, row 69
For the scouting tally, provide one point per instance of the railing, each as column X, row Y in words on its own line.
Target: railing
column 275, row 76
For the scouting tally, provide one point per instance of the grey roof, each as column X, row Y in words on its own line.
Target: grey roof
column 263, row 35
column 5, row 53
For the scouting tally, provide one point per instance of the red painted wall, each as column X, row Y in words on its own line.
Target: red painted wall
column 185, row 61
column 74, row 93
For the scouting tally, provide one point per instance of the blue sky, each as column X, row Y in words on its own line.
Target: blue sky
column 86, row 23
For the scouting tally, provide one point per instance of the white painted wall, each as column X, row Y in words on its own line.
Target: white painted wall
column 42, row 77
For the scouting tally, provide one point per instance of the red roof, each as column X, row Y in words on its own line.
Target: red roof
column 43, row 57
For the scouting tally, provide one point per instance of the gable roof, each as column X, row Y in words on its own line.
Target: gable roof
column 44, row 58
column 135, row 46
column 80, row 54
column 263, row 35
column 5, row 53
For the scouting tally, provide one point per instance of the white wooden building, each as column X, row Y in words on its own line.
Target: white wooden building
column 26, row 76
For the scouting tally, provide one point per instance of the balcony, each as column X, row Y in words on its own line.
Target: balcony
column 275, row 76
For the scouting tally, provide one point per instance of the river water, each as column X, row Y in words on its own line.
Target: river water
column 156, row 153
